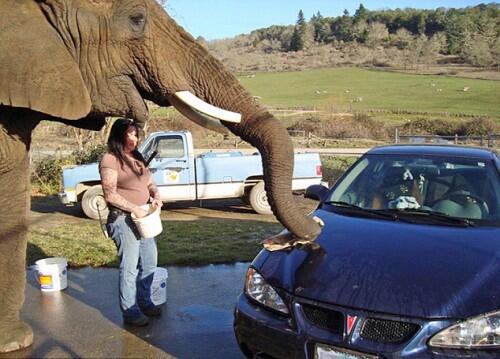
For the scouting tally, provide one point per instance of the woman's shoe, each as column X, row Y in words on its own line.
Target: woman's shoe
column 153, row 311
column 137, row 321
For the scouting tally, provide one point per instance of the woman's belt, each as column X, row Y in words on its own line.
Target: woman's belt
column 115, row 211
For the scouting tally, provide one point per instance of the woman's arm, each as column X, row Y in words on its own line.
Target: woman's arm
column 109, row 178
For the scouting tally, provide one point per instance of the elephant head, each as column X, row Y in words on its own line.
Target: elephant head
column 91, row 59
column 79, row 61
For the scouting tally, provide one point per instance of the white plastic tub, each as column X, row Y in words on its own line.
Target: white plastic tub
column 51, row 274
column 159, row 286
column 149, row 225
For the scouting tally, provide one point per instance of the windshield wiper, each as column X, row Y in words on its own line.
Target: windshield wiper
column 364, row 211
column 403, row 214
column 433, row 215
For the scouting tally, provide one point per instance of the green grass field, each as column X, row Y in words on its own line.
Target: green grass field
column 346, row 89
column 197, row 242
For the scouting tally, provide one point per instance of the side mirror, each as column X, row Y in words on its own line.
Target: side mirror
column 316, row 192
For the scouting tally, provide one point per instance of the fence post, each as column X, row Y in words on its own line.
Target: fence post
column 456, row 139
column 396, row 135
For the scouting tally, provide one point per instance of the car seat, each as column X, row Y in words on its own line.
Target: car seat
column 461, row 201
column 459, row 205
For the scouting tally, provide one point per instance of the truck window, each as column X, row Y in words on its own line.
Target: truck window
column 170, row 147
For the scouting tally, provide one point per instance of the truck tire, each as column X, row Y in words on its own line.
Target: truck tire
column 92, row 198
column 258, row 199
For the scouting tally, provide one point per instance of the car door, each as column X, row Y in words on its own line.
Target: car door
column 171, row 168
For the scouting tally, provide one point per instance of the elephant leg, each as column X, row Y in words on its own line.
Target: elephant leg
column 14, row 206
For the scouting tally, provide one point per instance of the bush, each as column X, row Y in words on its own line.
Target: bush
column 479, row 127
column 46, row 174
column 89, row 155
column 425, row 126
column 334, row 167
column 358, row 126
column 474, row 127
column 309, row 124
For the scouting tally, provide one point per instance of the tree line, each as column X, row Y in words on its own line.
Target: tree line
column 471, row 34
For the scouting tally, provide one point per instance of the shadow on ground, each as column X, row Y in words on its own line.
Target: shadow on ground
column 51, row 204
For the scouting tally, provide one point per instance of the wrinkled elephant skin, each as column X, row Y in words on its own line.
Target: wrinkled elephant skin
column 78, row 62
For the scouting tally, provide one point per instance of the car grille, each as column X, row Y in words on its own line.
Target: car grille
column 324, row 318
column 387, row 331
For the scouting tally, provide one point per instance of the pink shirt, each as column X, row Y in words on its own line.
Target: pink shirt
column 130, row 186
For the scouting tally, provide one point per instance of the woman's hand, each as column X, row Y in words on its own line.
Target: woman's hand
column 157, row 203
column 139, row 212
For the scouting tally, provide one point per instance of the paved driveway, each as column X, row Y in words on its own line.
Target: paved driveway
column 84, row 321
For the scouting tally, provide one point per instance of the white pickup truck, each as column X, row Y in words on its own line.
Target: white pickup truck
column 182, row 176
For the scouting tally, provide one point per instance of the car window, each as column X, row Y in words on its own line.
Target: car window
column 170, row 147
column 458, row 187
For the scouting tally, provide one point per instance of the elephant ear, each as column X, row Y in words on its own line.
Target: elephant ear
column 36, row 69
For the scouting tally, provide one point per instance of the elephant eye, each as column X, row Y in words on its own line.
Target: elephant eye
column 137, row 21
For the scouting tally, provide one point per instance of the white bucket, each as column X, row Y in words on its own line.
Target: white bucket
column 159, row 286
column 149, row 225
column 51, row 274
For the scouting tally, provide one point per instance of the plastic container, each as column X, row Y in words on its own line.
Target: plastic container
column 159, row 286
column 51, row 274
column 149, row 225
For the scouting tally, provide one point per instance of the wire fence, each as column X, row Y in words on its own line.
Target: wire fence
column 491, row 140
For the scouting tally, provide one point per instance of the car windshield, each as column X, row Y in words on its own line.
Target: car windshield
column 431, row 186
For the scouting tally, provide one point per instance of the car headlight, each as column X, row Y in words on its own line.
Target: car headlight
column 257, row 289
column 480, row 332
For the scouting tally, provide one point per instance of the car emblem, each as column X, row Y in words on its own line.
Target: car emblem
column 351, row 320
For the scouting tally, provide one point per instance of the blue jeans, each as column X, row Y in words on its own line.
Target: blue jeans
column 138, row 260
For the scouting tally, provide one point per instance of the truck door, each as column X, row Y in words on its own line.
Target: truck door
column 171, row 167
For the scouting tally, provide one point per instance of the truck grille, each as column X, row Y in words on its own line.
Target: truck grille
column 330, row 320
column 387, row 331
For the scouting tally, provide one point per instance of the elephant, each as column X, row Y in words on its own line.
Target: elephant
column 81, row 61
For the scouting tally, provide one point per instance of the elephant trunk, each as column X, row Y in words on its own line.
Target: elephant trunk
column 212, row 83
column 276, row 149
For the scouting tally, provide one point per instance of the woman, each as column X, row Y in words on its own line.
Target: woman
column 127, row 185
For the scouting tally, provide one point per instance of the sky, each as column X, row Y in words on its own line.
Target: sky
column 218, row 19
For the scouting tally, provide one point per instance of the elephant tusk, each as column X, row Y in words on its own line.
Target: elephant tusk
column 196, row 117
column 206, row 109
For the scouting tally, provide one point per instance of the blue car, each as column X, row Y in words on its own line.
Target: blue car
column 407, row 264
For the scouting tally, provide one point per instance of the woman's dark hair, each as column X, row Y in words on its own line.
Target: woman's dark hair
column 116, row 143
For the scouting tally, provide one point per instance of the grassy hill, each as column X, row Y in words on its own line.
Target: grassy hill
column 351, row 89
column 427, row 104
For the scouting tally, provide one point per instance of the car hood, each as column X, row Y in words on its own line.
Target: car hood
column 418, row 270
